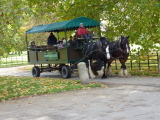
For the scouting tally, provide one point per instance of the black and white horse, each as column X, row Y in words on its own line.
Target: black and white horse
column 119, row 50
column 98, row 51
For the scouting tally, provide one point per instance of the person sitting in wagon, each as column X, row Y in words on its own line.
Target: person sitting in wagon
column 32, row 44
column 52, row 40
column 70, row 41
column 82, row 31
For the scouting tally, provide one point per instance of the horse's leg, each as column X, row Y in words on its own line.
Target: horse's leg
column 126, row 74
column 104, row 73
column 100, row 67
column 90, row 71
column 87, row 64
column 123, row 71
column 121, row 74
column 109, row 70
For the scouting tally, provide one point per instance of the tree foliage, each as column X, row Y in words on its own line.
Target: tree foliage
column 137, row 18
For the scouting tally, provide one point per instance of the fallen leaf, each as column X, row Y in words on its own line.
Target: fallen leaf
column 112, row 107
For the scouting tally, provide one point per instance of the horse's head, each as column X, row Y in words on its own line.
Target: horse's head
column 104, row 44
column 101, row 43
column 124, row 44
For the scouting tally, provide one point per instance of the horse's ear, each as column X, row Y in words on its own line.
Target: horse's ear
column 121, row 36
column 127, row 36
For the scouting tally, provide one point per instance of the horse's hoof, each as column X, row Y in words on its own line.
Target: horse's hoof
column 104, row 76
column 121, row 75
column 112, row 75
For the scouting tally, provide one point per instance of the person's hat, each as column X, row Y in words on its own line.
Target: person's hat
column 81, row 23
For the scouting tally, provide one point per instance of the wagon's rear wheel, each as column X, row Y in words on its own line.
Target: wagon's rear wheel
column 60, row 68
column 35, row 71
column 66, row 72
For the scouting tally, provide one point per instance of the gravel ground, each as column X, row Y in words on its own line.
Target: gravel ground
column 133, row 98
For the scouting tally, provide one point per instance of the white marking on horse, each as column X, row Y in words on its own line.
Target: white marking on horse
column 101, row 72
column 90, row 71
column 127, row 48
column 108, row 53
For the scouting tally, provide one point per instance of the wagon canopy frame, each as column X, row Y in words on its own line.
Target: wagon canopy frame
column 68, row 25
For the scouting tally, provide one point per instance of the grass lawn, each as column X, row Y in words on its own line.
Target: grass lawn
column 145, row 73
column 13, row 87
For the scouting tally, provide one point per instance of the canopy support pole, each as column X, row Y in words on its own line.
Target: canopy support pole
column 26, row 42
column 27, row 49
column 65, row 34
column 99, row 31
column 58, row 35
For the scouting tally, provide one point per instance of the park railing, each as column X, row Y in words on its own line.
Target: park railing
column 136, row 61
column 14, row 60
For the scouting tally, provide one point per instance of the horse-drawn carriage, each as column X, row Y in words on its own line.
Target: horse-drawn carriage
column 49, row 57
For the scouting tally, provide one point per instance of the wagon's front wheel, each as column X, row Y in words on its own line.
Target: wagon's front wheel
column 35, row 71
column 66, row 72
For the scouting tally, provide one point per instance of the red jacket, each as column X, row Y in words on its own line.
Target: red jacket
column 81, row 30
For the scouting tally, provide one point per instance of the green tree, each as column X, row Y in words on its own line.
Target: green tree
column 137, row 18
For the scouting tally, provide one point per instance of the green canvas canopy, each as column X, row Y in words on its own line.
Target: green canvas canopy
column 64, row 26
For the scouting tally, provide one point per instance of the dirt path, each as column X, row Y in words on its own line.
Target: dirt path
column 134, row 98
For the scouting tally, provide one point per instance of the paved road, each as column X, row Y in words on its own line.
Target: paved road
column 134, row 98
